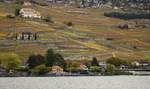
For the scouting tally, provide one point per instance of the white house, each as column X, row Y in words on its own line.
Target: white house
column 28, row 12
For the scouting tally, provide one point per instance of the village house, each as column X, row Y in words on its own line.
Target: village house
column 142, row 64
column 26, row 36
column 83, row 69
column 28, row 12
column 57, row 70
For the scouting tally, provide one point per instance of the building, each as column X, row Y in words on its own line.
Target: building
column 83, row 69
column 26, row 36
column 28, row 12
column 57, row 70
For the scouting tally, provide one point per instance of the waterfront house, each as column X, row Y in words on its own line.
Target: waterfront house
column 143, row 64
column 83, row 69
column 57, row 70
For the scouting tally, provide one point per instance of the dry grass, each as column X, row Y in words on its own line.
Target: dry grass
column 88, row 21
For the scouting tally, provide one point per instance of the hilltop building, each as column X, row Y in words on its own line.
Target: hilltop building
column 28, row 12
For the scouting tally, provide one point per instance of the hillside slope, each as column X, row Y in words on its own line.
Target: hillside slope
column 93, row 34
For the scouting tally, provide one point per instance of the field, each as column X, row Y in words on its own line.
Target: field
column 92, row 34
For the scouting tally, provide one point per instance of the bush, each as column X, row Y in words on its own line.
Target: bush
column 95, row 69
column 122, row 73
column 116, row 61
column 70, row 24
column 48, row 19
column 128, row 15
column 73, row 69
column 10, row 16
column 10, row 61
column 41, row 69
column 110, row 69
column 35, row 60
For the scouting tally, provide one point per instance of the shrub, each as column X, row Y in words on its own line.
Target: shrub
column 48, row 19
column 35, row 60
column 116, row 61
column 95, row 69
column 10, row 16
column 70, row 24
column 10, row 61
column 110, row 69
column 73, row 69
column 41, row 69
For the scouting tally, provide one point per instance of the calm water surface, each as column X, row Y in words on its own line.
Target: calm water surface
column 105, row 82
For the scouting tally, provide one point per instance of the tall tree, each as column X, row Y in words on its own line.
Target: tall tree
column 50, row 57
column 53, row 58
column 94, row 62
column 60, row 60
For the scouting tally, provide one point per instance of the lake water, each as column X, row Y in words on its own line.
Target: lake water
column 103, row 82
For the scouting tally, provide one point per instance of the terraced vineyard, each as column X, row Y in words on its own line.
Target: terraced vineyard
column 93, row 34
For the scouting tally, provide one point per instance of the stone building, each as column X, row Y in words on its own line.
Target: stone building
column 26, row 36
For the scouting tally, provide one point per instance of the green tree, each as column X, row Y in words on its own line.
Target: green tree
column 60, row 60
column 35, row 60
column 73, row 67
column 116, row 61
column 17, row 11
column 50, row 58
column 94, row 62
column 95, row 69
column 110, row 69
column 48, row 18
column 40, row 69
column 53, row 58
column 10, row 61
